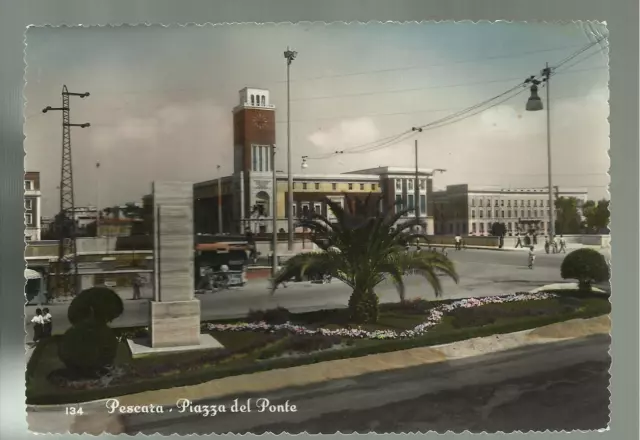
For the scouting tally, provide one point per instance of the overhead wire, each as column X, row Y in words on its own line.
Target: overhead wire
column 463, row 114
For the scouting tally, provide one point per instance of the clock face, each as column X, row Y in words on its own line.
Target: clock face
column 260, row 121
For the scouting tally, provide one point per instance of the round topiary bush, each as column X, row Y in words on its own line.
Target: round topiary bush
column 585, row 265
column 96, row 303
column 88, row 347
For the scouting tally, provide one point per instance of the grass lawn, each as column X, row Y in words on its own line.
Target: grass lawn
column 251, row 351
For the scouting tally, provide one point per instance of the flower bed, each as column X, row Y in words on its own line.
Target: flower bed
column 259, row 347
column 433, row 317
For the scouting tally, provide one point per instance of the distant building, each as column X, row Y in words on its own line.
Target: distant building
column 84, row 216
column 32, row 206
column 466, row 210
column 247, row 195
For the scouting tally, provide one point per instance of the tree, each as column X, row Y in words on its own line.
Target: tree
column 362, row 248
column 568, row 217
column 132, row 211
column 498, row 229
column 596, row 215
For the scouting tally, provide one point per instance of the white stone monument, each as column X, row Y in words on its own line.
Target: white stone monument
column 174, row 310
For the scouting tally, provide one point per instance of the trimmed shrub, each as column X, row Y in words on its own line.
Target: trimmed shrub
column 87, row 348
column 97, row 303
column 588, row 266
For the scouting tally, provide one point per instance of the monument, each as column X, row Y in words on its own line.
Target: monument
column 174, row 311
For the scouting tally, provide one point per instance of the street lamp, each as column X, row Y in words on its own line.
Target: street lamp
column 304, row 164
column 534, row 103
column 416, row 187
column 289, row 55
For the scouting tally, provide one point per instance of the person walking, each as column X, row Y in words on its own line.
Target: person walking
column 563, row 245
column 518, row 240
column 47, row 323
column 38, row 323
column 137, row 284
column 532, row 257
column 547, row 244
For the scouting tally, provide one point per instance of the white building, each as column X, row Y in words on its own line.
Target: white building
column 465, row 210
column 32, row 202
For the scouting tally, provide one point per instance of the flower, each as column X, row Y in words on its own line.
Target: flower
column 433, row 318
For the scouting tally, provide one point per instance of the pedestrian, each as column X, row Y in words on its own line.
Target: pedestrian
column 518, row 240
column 137, row 284
column 563, row 245
column 38, row 323
column 458, row 241
column 47, row 323
column 547, row 244
column 532, row 257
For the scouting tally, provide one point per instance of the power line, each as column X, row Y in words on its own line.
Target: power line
column 562, row 72
column 452, row 118
column 539, row 174
column 428, row 66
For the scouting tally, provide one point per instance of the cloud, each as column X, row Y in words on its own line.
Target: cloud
column 346, row 134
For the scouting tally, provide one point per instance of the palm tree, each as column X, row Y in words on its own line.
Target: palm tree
column 362, row 248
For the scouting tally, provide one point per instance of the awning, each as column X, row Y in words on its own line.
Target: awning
column 32, row 274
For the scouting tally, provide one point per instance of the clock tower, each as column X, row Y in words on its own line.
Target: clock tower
column 254, row 135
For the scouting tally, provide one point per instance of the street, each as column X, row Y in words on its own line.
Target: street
column 518, row 389
column 482, row 273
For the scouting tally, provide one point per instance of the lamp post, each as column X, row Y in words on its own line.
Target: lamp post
column 289, row 55
column 274, row 213
column 535, row 104
column 219, row 200
column 416, row 187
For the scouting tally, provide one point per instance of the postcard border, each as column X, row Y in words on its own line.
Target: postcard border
column 622, row 19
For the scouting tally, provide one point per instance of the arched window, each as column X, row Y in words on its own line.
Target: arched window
column 253, row 101
column 263, row 101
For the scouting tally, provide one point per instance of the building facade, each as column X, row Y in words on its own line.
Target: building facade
column 32, row 205
column 465, row 210
column 245, row 199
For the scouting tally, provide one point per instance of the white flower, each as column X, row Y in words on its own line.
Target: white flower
column 433, row 318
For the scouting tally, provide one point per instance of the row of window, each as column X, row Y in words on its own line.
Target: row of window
column 481, row 227
column 500, row 214
column 410, row 184
column 409, row 203
column 334, row 186
column 261, row 155
column 258, row 100
column 477, row 228
column 500, row 202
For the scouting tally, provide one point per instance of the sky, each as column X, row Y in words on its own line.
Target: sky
column 162, row 98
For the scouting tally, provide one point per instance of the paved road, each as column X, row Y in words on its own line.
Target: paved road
column 557, row 386
column 482, row 273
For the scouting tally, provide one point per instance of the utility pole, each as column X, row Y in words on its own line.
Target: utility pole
column 219, row 201
column 535, row 104
column 99, row 188
column 417, row 180
column 289, row 55
column 274, row 213
column 67, row 268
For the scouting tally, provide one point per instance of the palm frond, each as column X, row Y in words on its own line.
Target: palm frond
column 329, row 262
